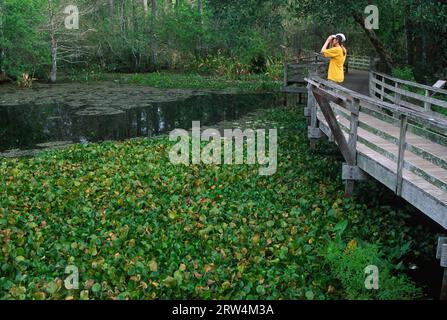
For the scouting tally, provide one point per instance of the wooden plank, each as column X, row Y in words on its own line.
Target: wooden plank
column 439, row 84
column 409, row 83
column 373, row 119
column 413, row 191
column 416, row 96
column 370, row 111
column 293, row 89
column 419, row 166
column 425, row 119
column 433, row 167
column 331, row 96
column 404, row 103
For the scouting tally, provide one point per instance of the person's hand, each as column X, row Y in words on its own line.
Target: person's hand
column 330, row 38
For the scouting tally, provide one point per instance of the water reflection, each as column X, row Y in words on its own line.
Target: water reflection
column 28, row 126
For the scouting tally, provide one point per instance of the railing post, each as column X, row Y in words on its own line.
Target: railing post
column 352, row 144
column 427, row 105
column 382, row 89
column 397, row 98
column 441, row 254
column 401, row 157
column 397, row 95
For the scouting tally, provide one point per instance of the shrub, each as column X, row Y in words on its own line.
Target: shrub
column 404, row 73
column 348, row 264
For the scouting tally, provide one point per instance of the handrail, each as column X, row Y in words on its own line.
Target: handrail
column 378, row 138
column 431, row 119
column 359, row 62
column 409, row 83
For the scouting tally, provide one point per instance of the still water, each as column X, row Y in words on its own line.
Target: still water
column 28, row 127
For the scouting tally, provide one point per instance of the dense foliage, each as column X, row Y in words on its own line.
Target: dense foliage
column 244, row 36
column 139, row 227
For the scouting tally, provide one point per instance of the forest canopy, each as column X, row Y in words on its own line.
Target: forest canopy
column 214, row 36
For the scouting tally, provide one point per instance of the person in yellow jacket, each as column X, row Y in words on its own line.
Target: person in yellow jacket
column 337, row 55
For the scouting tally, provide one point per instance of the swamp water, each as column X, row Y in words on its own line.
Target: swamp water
column 25, row 129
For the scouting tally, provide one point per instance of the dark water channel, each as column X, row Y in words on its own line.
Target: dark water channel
column 28, row 127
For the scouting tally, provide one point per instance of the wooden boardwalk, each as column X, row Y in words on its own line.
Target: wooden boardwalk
column 390, row 137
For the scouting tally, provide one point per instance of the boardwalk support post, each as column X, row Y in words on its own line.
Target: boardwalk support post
column 313, row 131
column 348, row 149
column 352, row 144
column 442, row 255
column 401, row 156
column 352, row 173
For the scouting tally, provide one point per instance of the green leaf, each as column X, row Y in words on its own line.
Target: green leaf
column 84, row 295
column 153, row 266
column 170, row 282
column 309, row 295
column 96, row 288
column 260, row 289
column 51, row 287
column 341, row 226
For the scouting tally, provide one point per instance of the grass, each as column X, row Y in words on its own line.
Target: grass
column 244, row 83
column 138, row 227
column 196, row 81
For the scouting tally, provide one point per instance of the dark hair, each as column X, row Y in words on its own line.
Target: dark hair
column 340, row 42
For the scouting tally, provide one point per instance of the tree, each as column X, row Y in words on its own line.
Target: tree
column 2, row 49
column 22, row 45
column 153, row 44
column 66, row 44
column 337, row 12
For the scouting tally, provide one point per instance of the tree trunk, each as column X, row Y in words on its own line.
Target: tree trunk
column 424, row 46
column 200, row 7
column 199, row 40
column 378, row 45
column 408, row 41
column 123, row 18
column 111, row 13
column 2, row 49
column 154, row 61
column 53, row 72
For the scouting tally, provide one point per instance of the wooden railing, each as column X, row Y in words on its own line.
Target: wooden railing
column 403, row 148
column 359, row 62
column 415, row 96
column 295, row 73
